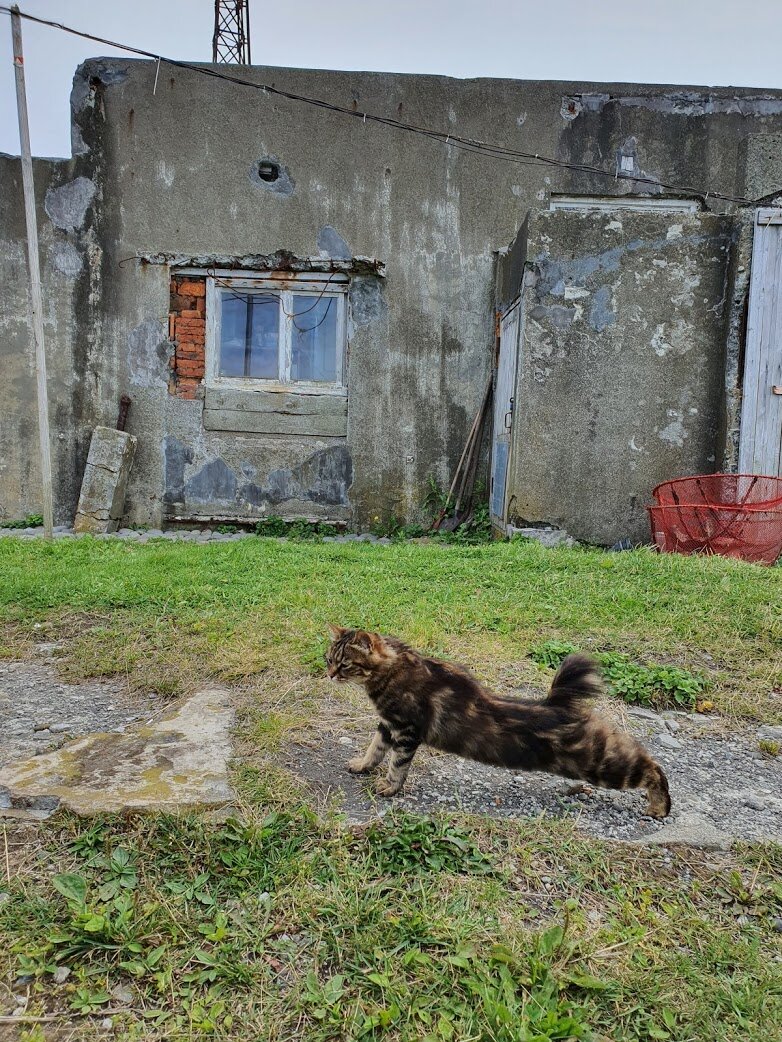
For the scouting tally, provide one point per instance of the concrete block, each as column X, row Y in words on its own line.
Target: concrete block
column 102, row 498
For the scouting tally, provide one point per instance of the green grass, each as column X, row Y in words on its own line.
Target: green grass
column 168, row 615
column 279, row 926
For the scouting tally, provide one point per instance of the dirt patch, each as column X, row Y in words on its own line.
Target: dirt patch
column 722, row 787
column 39, row 711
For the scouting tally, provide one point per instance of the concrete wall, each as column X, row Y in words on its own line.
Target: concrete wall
column 621, row 362
column 64, row 262
column 174, row 172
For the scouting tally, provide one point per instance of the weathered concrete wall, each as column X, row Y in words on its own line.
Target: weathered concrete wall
column 620, row 379
column 62, row 203
column 175, row 171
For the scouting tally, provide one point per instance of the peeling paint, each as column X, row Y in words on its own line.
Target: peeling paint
column 675, row 103
column 601, row 314
column 674, row 433
column 146, row 362
column 367, row 303
column 331, row 244
column 175, row 457
column 66, row 259
column 325, row 478
column 67, row 205
column 215, row 482
column 555, row 315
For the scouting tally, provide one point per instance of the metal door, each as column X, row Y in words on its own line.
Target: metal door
column 504, row 392
column 760, row 446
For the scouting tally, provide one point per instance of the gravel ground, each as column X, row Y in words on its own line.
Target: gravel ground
column 39, row 712
column 722, row 787
column 188, row 535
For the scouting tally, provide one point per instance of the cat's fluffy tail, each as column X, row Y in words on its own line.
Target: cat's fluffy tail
column 577, row 678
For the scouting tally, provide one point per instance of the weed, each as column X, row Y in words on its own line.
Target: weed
column 405, row 842
column 31, row 521
column 271, row 526
column 276, row 527
column 227, row 529
column 769, row 747
column 436, row 501
column 658, row 686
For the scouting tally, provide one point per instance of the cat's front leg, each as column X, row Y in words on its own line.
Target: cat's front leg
column 403, row 749
column 378, row 748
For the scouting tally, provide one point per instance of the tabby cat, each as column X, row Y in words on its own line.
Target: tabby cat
column 422, row 700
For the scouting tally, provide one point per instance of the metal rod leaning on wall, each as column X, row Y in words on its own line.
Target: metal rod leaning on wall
column 36, row 303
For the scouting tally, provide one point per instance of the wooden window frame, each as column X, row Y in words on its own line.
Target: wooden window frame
column 286, row 285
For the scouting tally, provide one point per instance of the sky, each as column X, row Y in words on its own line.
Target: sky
column 717, row 42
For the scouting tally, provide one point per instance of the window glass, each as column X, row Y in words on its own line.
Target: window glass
column 249, row 335
column 314, row 338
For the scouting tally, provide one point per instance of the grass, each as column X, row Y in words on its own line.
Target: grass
column 276, row 924
column 167, row 615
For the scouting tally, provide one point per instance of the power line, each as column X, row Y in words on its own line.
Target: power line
column 483, row 148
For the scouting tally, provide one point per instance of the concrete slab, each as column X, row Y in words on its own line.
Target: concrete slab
column 178, row 761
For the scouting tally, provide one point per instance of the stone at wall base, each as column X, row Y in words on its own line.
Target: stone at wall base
column 102, row 498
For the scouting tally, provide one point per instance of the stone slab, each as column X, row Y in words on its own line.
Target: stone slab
column 102, row 497
column 180, row 760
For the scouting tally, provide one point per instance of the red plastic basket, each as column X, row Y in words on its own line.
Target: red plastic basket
column 734, row 515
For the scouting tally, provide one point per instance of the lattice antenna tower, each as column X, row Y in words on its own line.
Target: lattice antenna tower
column 231, row 40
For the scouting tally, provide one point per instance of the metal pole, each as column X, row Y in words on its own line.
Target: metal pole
column 35, row 272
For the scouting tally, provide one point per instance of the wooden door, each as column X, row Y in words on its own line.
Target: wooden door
column 504, row 391
column 760, row 445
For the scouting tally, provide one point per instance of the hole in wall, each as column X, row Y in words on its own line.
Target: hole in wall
column 268, row 171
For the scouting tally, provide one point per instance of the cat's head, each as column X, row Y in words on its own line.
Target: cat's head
column 355, row 655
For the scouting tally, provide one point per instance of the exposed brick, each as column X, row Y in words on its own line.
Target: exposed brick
column 187, row 328
column 192, row 288
column 195, row 370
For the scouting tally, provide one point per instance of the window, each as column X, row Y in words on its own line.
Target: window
column 273, row 332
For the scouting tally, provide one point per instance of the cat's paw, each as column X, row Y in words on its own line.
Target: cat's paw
column 356, row 765
column 383, row 787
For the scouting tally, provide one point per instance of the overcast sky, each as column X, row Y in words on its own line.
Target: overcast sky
column 655, row 41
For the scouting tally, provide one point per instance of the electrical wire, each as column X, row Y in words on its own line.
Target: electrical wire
column 491, row 151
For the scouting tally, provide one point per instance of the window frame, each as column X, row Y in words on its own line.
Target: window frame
column 286, row 285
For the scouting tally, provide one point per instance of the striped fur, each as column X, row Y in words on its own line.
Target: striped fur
column 421, row 700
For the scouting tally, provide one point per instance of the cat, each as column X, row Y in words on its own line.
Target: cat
column 422, row 700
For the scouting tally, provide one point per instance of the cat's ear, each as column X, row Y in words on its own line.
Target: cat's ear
column 366, row 641
column 336, row 631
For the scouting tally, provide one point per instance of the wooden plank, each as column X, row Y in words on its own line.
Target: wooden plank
column 768, row 215
column 504, row 392
column 768, row 429
column 284, row 402
column 760, row 450
column 239, row 422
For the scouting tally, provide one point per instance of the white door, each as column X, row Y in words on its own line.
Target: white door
column 760, row 445
column 504, row 391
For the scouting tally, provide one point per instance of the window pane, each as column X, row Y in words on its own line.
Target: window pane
column 314, row 338
column 249, row 334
